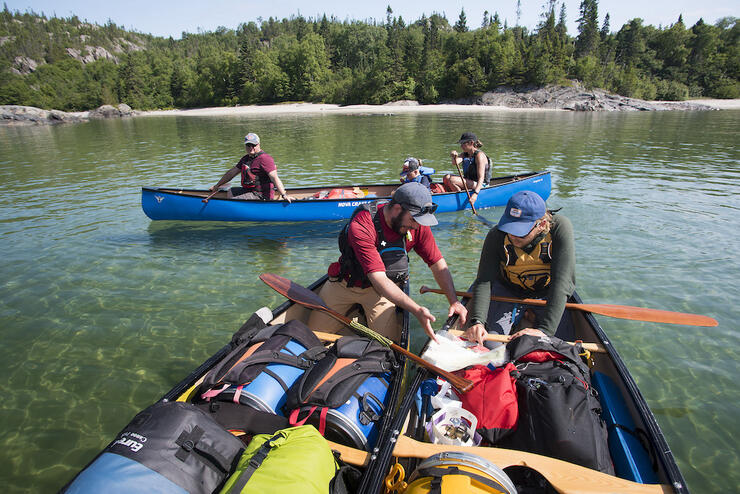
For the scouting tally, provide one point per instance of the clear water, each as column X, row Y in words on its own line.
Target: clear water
column 103, row 310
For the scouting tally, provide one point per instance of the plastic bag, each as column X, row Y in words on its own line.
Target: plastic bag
column 453, row 353
column 445, row 397
column 453, row 425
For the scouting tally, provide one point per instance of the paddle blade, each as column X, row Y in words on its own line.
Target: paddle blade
column 293, row 291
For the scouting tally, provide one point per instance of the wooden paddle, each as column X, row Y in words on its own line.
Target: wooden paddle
column 465, row 186
column 591, row 347
column 565, row 477
column 305, row 297
column 616, row 311
column 212, row 194
column 502, row 338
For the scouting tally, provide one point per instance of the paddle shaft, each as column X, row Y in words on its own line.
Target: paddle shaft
column 461, row 384
column 211, row 195
column 502, row 338
column 616, row 311
column 465, row 186
column 565, row 477
column 305, row 297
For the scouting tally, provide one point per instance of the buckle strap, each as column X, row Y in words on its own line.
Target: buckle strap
column 254, row 463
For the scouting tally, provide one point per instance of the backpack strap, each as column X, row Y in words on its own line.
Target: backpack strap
column 254, row 464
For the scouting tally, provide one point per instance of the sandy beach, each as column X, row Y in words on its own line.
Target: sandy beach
column 314, row 108
column 391, row 108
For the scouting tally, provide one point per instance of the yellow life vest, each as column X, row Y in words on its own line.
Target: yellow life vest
column 530, row 271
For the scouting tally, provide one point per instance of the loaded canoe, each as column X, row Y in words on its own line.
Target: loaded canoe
column 185, row 204
column 345, row 428
column 642, row 459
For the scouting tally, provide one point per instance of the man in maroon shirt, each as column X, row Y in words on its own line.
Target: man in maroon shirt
column 258, row 174
column 374, row 262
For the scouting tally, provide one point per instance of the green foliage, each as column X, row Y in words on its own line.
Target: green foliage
column 68, row 64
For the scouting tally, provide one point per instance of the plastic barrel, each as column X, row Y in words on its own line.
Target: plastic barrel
column 265, row 393
column 351, row 423
column 465, row 472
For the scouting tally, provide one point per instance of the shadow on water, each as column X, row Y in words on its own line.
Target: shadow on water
column 189, row 236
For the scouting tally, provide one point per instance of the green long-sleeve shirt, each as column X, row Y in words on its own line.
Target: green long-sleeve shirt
column 562, row 273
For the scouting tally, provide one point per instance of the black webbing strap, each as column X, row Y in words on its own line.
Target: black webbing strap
column 187, row 442
column 254, row 463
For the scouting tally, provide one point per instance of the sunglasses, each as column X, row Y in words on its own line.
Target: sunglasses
column 417, row 211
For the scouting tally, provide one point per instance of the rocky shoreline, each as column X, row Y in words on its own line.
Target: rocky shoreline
column 558, row 98
column 30, row 115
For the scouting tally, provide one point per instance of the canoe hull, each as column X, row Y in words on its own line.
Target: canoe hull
column 188, row 205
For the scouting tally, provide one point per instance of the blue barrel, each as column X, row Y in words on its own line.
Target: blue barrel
column 265, row 393
column 356, row 423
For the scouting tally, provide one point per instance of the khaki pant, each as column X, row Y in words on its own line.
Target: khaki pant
column 380, row 312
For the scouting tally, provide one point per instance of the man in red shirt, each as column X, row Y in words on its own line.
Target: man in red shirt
column 374, row 262
column 258, row 174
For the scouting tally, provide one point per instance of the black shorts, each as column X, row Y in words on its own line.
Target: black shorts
column 242, row 193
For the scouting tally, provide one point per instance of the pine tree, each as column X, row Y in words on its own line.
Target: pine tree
column 587, row 41
column 461, row 26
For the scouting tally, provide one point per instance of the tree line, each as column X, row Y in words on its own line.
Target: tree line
column 359, row 62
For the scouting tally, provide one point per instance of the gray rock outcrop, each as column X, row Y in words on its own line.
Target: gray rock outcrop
column 30, row 115
column 576, row 98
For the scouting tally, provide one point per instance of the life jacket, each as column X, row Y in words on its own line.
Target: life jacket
column 470, row 168
column 530, row 271
column 250, row 181
column 422, row 179
column 394, row 255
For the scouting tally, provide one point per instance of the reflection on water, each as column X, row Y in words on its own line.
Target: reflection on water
column 103, row 310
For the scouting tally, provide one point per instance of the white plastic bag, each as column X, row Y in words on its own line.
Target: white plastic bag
column 445, row 397
column 453, row 353
column 453, row 425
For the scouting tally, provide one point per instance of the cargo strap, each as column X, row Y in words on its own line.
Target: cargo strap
column 188, row 442
column 294, row 421
column 435, row 486
column 254, row 464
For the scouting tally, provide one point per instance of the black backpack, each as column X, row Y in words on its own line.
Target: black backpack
column 254, row 352
column 559, row 410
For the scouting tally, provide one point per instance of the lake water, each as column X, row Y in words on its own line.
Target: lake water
column 103, row 310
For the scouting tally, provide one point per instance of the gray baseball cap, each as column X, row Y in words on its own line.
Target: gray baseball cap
column 417, row 200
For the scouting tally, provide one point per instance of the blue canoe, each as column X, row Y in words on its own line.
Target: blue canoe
column 183, row 204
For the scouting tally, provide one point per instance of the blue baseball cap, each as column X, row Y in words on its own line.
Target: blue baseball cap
column 522, row 212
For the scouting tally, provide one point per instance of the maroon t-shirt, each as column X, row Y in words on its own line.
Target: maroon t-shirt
column 261, row 166
column 363, row 238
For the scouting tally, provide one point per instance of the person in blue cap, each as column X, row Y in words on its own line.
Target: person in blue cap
column 413, row 171
column 529, row 254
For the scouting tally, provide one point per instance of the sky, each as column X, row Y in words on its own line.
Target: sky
column 173, row 17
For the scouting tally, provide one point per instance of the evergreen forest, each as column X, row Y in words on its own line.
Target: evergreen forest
column 73, row 65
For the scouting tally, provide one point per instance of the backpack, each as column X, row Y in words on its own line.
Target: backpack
column 559, row 410
column 492, row 400
column 348, row 386
column 292, row 460
column 170, row 447
column 260, row 369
